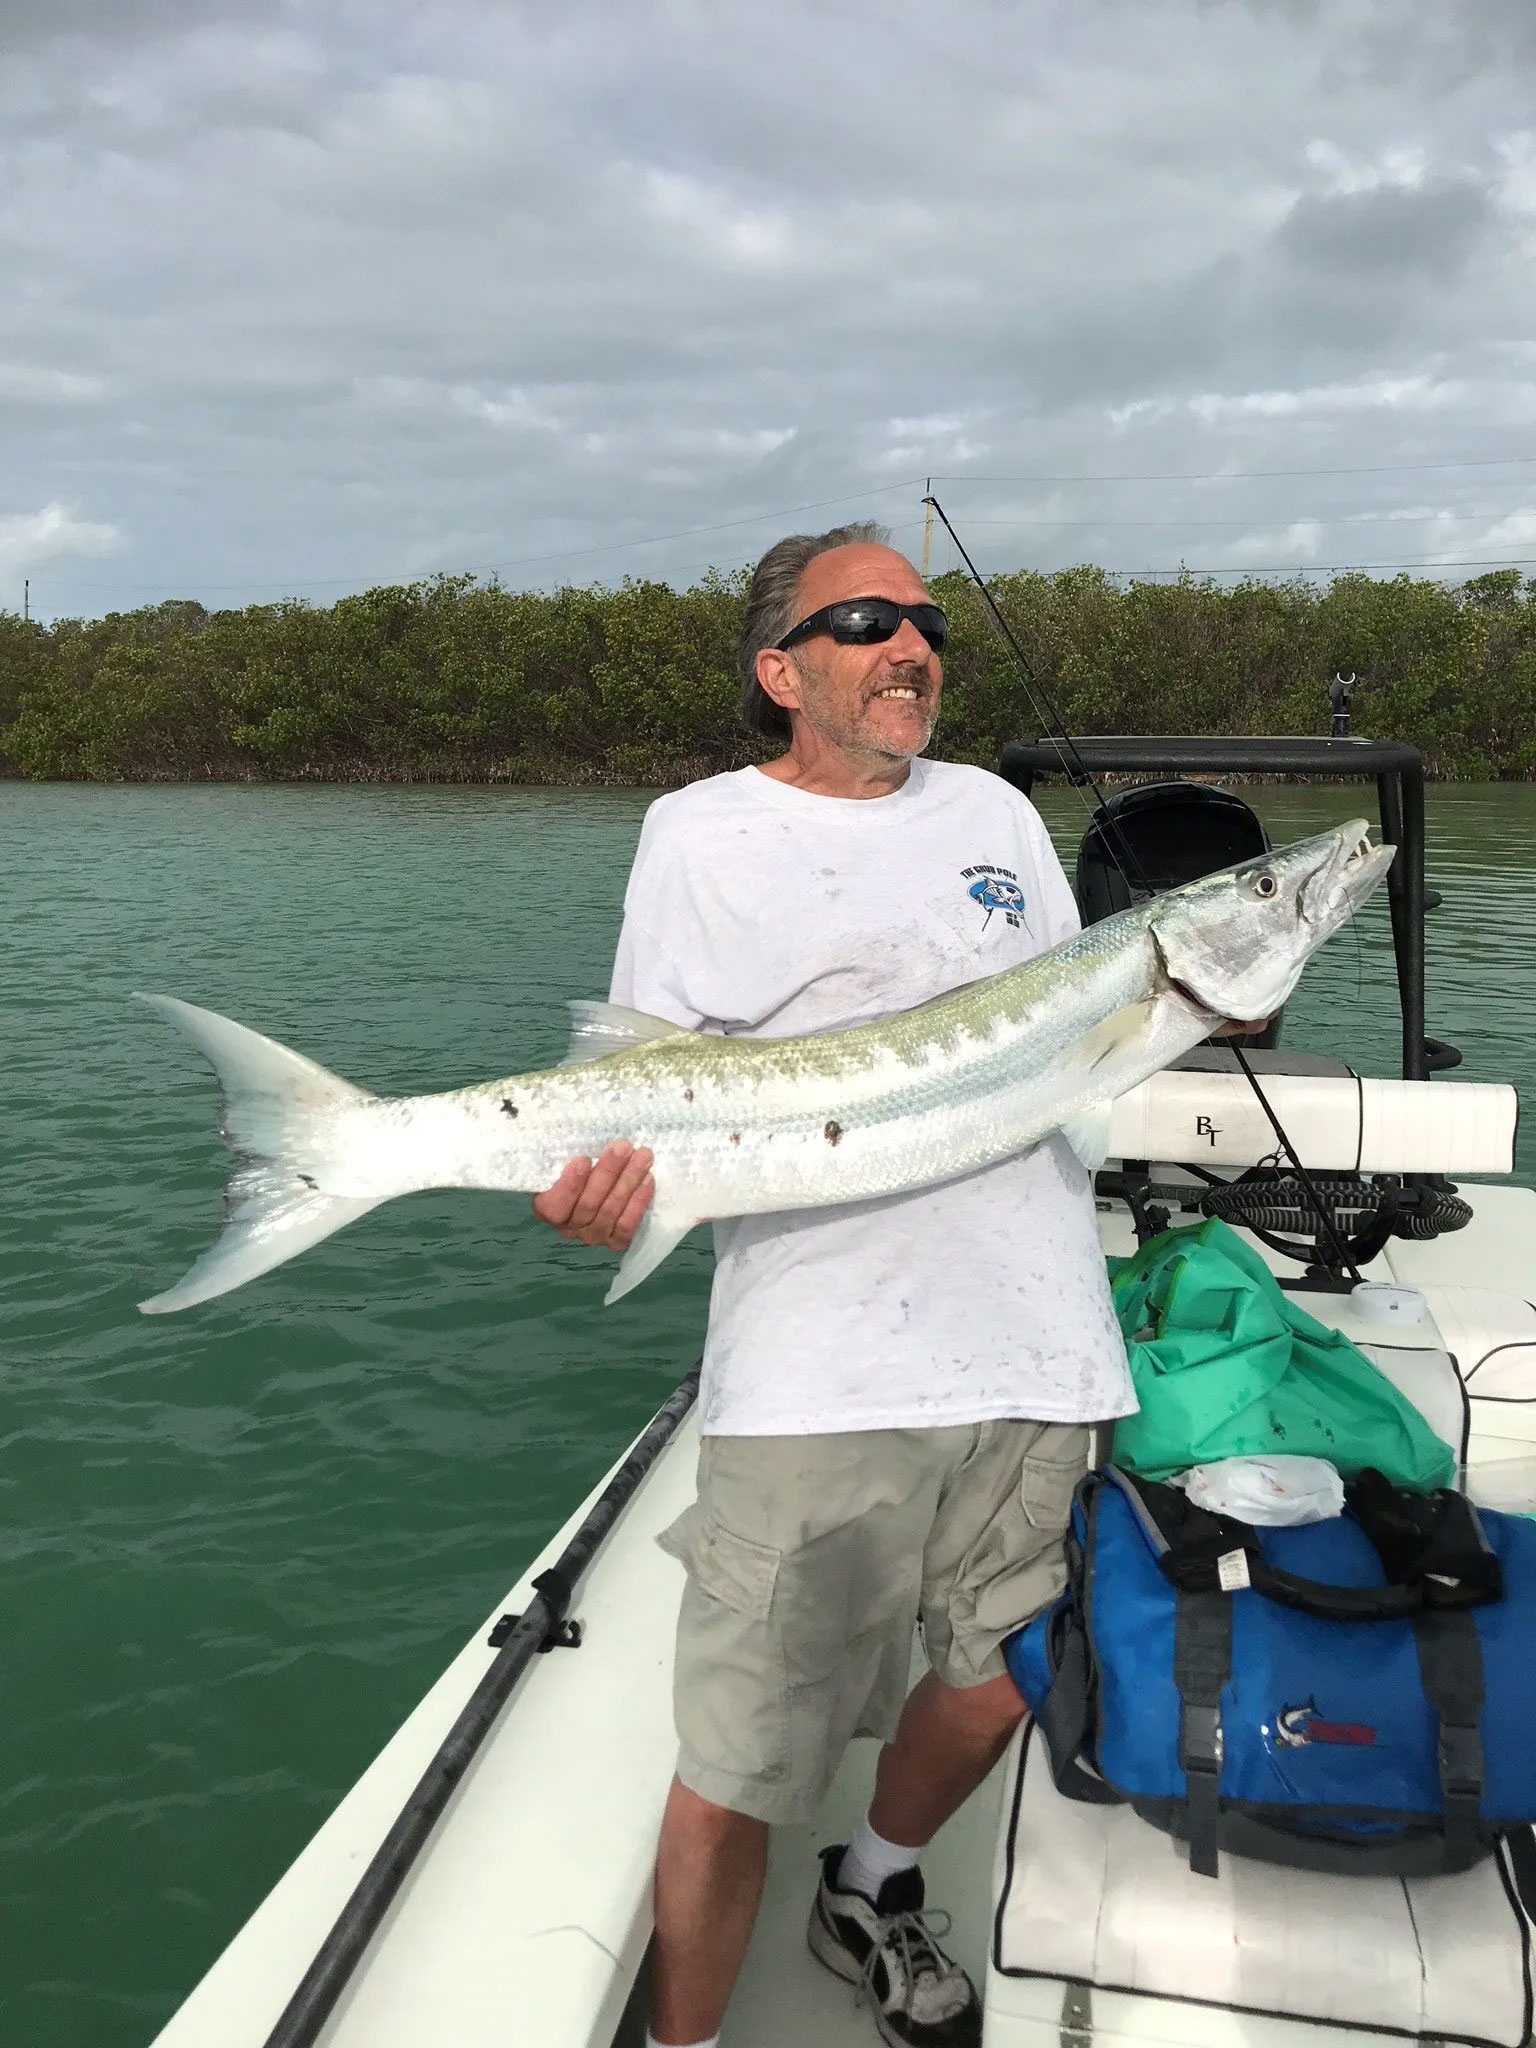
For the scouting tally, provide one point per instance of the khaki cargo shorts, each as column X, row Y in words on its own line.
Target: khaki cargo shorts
column 809, row 1560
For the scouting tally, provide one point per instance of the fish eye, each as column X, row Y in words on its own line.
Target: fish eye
column 1265, row 884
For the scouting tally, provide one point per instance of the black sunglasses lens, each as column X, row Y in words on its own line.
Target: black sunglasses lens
column 932, row 624
column 864, row 621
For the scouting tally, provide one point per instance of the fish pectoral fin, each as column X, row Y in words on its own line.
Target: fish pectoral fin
column 1088, row 1134
column 661, row 1231
column 598, row 1029
column 1092, row 1064
column 1113, row 1035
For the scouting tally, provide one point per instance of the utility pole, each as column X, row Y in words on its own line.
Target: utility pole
column 927, row 527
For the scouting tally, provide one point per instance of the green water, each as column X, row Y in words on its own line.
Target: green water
column 238, row 1544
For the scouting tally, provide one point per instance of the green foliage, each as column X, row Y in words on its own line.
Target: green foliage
column 454, row 680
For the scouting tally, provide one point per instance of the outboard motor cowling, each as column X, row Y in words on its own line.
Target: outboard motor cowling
column 1164, row 834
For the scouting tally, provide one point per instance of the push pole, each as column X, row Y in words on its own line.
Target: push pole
column 927, row 528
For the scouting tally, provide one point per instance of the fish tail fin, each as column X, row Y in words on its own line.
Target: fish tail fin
column 279, row 1110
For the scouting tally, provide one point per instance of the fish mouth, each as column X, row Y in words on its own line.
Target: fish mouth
column 1344, row 881
column 1182, row 988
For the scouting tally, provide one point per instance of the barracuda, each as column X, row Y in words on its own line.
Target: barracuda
column 741, row 1126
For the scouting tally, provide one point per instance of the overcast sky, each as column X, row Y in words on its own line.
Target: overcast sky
column 298, row 298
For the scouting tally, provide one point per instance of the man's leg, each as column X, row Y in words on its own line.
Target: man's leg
column 867, row 1922
column 993, row 1558
column 948, row 1738
column 709, row 1879
column 803, row 1558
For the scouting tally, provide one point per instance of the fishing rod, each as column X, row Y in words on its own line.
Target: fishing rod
column 1319, row 1207
column 1078, row 773
column 1077, row 769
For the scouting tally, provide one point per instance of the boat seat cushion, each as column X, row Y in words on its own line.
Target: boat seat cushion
column 1095, row 1895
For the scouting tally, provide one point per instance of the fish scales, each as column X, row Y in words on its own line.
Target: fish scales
column 742, row 1125
column 752, row 1115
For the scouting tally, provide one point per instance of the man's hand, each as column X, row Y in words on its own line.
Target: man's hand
column 1231, row 1028
column 600, row 1202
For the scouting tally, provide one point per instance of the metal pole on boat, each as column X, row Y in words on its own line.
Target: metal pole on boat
column 539, row 1625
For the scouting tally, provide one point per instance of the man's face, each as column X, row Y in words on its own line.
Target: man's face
column 879, row 700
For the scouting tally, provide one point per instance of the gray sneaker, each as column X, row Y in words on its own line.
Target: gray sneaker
column 887, row 1948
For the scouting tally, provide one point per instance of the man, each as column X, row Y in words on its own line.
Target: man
column 896, row 1393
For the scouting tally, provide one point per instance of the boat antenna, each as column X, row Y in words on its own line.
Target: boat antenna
column 1054, row 728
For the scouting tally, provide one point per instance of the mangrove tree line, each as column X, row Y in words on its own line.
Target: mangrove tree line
column 456, row 680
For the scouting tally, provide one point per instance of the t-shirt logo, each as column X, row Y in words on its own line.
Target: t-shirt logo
column 995, row 889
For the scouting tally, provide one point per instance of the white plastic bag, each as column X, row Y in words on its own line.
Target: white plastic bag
column 1270, row 1492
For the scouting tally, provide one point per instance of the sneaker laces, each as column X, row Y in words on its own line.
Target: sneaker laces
column 913, row 1937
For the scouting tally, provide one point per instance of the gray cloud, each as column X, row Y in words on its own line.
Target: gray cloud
column 1427, row 231
column 297, row 297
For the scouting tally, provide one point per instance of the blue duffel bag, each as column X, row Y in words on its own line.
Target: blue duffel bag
column 1354, row 1695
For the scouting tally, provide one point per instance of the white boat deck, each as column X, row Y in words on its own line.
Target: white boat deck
column 527, row 1918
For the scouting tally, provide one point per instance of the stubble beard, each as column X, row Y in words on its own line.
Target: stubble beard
column 851, row 729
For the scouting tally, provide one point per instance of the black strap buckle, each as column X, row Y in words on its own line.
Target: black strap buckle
column 1200, row 1745
column 1460, row 1761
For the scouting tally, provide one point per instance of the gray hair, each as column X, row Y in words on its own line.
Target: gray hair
column 771, row 611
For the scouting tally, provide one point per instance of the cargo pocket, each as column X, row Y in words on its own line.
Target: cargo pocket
column 1048, row 1479
column 729, row 1694
column 722, row 1565
column 1017, row 1565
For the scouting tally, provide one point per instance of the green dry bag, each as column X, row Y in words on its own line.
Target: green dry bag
column 1227, row 1366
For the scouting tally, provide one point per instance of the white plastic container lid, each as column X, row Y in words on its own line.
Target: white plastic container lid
column 1380, row 1301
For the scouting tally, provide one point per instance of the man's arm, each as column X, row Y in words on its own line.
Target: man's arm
column 601, row 1201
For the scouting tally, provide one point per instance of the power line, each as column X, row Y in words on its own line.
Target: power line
column 1299, row 519
column 525, row 561
column 1333, row 568
column 1237, row 476
column 295, row 584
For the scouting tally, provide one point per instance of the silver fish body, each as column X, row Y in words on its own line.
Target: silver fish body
column 740, row 1126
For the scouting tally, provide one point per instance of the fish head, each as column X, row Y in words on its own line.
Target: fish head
column 1236, row 941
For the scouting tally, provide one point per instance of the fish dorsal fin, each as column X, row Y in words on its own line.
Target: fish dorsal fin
column 598, row 1029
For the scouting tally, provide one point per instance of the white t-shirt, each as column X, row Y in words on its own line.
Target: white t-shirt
column 758, row 909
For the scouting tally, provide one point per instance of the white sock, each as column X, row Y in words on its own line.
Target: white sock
column 652, row 2042
column 870, row 1859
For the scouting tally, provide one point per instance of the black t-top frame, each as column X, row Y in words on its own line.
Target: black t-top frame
column 1396, row 769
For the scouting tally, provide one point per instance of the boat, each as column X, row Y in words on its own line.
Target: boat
column 487, row 1879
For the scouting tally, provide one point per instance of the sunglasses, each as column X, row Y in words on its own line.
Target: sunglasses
column 866, row 621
